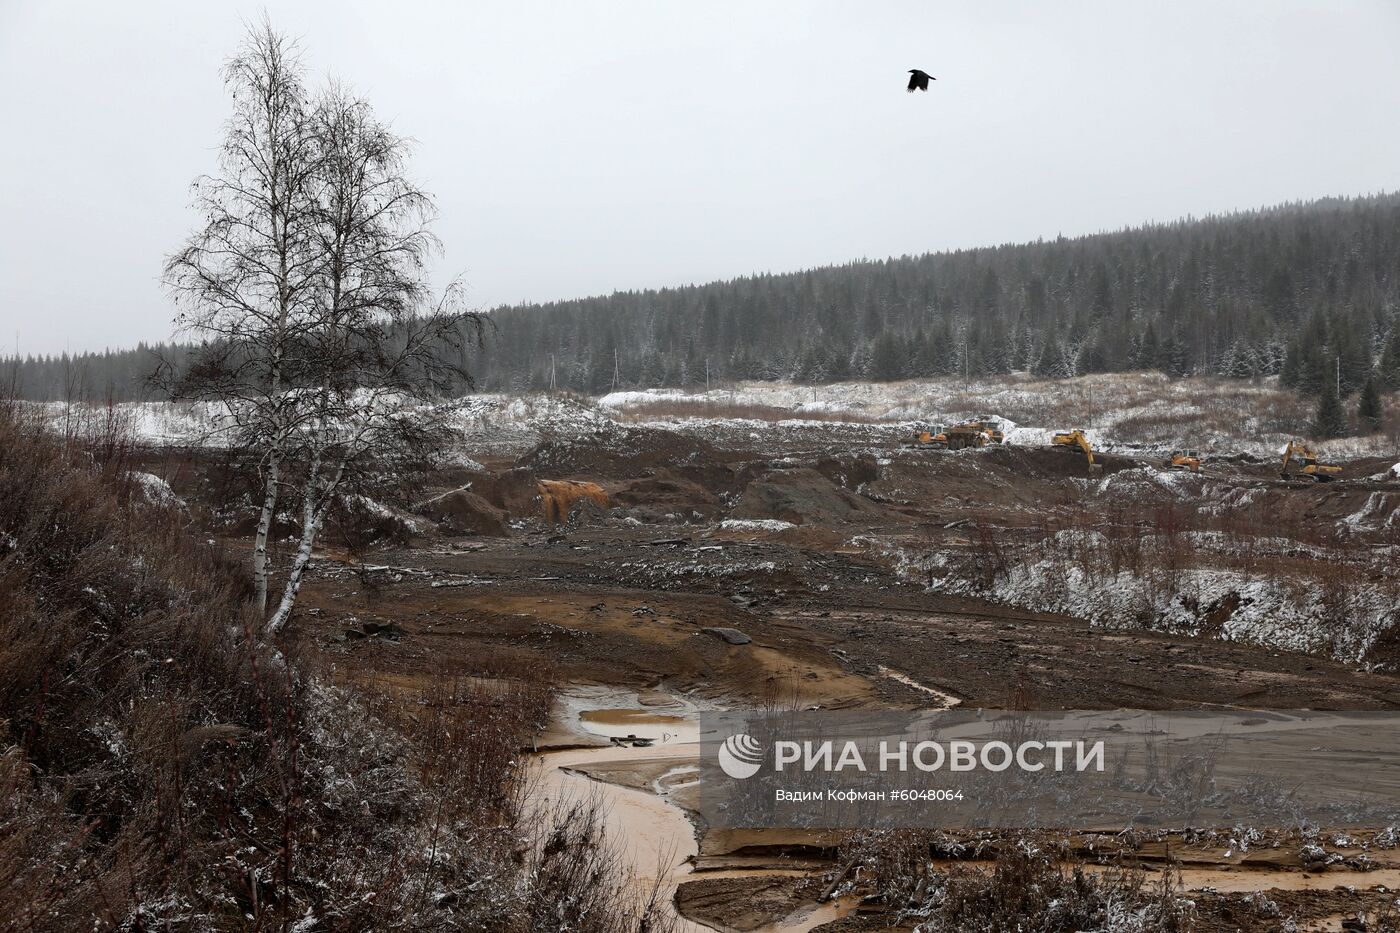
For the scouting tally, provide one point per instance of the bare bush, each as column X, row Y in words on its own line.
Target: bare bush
column 1030, row 885
column 575, row 879
column 159, row 769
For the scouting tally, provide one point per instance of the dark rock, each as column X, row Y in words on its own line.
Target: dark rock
column 586, row 512
column 731, row 635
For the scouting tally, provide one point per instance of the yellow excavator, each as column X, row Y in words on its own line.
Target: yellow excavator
column 1077, row 438
column 1185, row 459
column 1302, row 455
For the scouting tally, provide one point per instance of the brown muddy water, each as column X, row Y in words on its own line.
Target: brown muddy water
column 653, row 835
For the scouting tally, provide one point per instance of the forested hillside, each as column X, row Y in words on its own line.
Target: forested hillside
column 1280, row 290
column 1301, row 290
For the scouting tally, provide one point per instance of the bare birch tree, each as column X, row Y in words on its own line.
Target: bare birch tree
column 243, row 281
column 307, row 285
column 379, row 363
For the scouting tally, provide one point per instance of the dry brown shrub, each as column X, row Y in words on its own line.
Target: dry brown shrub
column 161, row 769
column 1031, row 884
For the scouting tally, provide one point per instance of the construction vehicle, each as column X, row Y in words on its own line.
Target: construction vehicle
column 1301, row 455
column 934, row 438
column 1076, row 437
column 977, row 433
column 1184, row 459
column 993, row 429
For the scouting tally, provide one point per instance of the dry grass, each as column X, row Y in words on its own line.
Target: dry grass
column 1028, row 886
column 160, row 769
column 137, row 718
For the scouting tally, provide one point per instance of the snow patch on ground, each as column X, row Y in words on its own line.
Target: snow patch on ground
column 1378, row 512
column 1233, row 605
column 1120, row 411
column 155, row 490
column 1125, row 412
column 755, row 524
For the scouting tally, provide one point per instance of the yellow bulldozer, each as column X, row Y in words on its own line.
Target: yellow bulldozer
column 1300, row 455
column 934, row 438
column 1077, row 438
column 1184, row 459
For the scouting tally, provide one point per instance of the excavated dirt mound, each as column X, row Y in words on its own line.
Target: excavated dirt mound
column 945, row 485
column 462, row 511
column 806, row 497
column 621, row 452
column 514, row 491
column 1010, row 483
column 663, row 490
column 1145, row 485
column 560, row 498
column 1049, row 462
column 850, row 470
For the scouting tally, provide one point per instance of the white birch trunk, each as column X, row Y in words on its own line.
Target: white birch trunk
column 314, row 509
column 269, row 510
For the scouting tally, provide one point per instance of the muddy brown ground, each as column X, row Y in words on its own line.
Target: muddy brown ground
column 822, row 625
column 621, row 600
column 826, row 629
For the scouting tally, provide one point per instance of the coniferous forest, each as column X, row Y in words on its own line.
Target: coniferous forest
column 1309, row 292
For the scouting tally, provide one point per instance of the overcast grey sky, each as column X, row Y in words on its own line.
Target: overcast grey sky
column 582, row 147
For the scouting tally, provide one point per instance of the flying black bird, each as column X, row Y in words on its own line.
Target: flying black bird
column 918, row 80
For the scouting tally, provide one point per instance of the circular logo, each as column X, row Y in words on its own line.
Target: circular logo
column 740, row 756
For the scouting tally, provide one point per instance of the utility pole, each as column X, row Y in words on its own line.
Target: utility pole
column 551, row 372
column 707, row 374
column 615, row 370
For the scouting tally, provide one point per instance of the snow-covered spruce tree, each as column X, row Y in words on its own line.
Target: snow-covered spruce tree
column 320, row 336
column 1388, row 369
column 1330, row 420
column 1368, row 406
